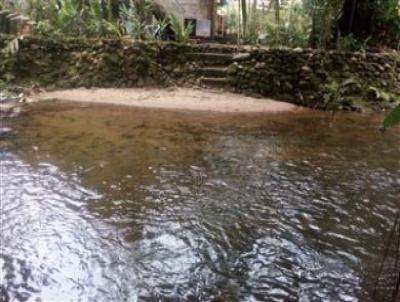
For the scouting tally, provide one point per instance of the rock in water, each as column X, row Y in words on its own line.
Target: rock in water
column 4, row 131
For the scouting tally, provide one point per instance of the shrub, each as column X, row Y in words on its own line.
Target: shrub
column 182, row 33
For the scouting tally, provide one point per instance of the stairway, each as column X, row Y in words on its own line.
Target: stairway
column 212, row 68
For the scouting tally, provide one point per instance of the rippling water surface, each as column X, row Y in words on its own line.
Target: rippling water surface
column 117, row 204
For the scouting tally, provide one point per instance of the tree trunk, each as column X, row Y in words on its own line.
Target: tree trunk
column 356, row 19
column 212, row 14
column 244, row 16
column 254, row 7
column 277, row 9
column 313, row 36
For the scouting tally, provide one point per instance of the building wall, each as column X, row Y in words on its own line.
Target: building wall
column 196, row 9
column 199, row 10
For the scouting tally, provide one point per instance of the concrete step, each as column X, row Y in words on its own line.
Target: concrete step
column 213, row 72
column 211, row 59
column 214, row 82
column 217, row 48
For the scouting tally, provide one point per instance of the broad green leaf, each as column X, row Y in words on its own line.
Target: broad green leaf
column 393, row 118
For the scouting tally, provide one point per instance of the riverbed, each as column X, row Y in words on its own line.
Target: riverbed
column 112, row 203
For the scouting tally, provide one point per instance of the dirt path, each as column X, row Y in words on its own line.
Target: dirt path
column 176, row 99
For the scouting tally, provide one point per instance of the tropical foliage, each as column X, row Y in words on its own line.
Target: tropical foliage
column 91, row 18
column 182, row 33
column 349, row 24
column 316, row 23
column 133, row 18
column 69, row 17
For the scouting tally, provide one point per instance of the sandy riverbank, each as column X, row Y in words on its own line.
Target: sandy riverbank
column 173, row 99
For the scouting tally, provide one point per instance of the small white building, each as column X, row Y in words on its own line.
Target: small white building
column 199, row 13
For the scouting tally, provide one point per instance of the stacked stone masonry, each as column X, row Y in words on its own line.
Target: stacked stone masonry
column 308, row 77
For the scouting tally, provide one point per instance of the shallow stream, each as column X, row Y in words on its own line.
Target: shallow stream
column 106, row 203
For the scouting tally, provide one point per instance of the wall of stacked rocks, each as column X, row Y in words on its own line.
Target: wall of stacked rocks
column 313, row 78
column 319, row 78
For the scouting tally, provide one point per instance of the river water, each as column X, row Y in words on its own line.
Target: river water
column 120, row 204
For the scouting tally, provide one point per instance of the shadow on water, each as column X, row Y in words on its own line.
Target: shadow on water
column 120, row 204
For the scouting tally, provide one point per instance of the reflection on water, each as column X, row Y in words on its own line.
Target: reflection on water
column 115, row 204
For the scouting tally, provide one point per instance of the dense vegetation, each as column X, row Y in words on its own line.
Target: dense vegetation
column 97, row 18
column 349, row 24
column 318, row 23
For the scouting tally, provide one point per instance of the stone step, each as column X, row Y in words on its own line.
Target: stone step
column 214, row 82
column 217, row 48
column 210, row 58
column 213, row 72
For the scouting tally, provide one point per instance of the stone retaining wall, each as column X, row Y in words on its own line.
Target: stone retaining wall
column 308, row 77
column 98, row 63
column 87, row 63
column 319, row 78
